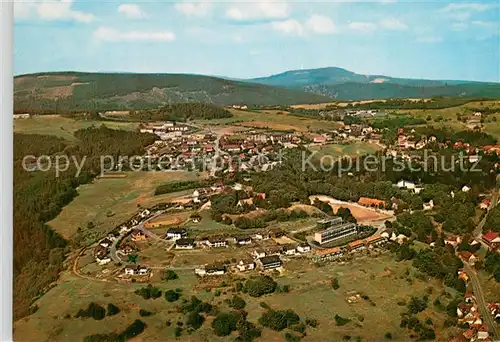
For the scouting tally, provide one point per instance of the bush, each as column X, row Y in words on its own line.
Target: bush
column 237, row 303
column 145, row 313
column 341, row 320
column 178, row 331
column 217, row 293
column 134, row 329
column 416, row 305
column 112, row 309
column 170, row 275
column 171, row 296
column 94, row 311
column 278, row 320
column 194, row 320
column 289, row 337
column 312, row 322
column 388, row 336
column 149, row 292
column 335, row 284
column 259, row 286
column 225, row 323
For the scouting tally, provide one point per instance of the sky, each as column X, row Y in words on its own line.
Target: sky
column 416, row 39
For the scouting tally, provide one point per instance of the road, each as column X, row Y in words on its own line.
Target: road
column 476, row 285
column 483, row 305
column 112, row 249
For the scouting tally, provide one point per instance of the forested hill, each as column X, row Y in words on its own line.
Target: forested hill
column 75, row 91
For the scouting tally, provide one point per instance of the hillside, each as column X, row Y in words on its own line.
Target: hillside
column 346, row 85
column 74, row 91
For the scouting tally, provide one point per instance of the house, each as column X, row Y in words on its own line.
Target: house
column 258, row 253
column 468, row 257
column 100, row 251
column 453, row 241
column 320, row 139
column 105, row 242
column 428, row 206
column 463, row 275
column 185, row 243
column 356, row 245
column 176, row 233
column 137, row 270
column 473, row 159
column 485, row 204
column 469, row 334
column 375, row 240
column 243, row 240
column 243, row 202
column 327, row 254
column 264, row 235
column 216, row 242
column 403, row 184
column 237, row 186
column 245, row 265
column 138, row 235
column 469, row 298
column 494, row 309
column 289, row 249
column 145, row 213
column 210, row 270
column 465, row 188
column 492, row 239
column 269, row 262
column 103, row 261
column 371, row 202
column 303, row 248
column 127, row 249
column 482, row 332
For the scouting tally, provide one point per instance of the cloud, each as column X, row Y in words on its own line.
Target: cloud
column 320, row 24
column 429, row 39
column 113, row 35
column 290, row 26
column 131, row 11
column 362, row 26
column 192, row 9
column 51, row 11
column 486, row 24
column 393, row 24
column 258, row 10
column 463, row 11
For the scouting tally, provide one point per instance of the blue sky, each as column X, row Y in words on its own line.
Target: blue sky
column 424, row 39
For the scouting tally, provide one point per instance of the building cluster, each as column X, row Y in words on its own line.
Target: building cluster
column 468, row 314
column 332, row 254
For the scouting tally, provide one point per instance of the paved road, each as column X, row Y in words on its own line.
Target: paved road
column 112, row 249
column 483, row 305
column 476, row 285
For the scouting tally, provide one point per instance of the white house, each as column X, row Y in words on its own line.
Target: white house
column 176, row 233
column 103, row 261
column 185, row 244
column 406, row 184
column 245, row 265
column 429, row 205
column 303, row 248
column 465, row 188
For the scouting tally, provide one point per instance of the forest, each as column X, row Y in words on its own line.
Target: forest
column 39, row 197
column 182, row 112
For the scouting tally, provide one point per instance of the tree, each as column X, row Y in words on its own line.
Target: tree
column 278, row 320
column 112, row 309
column 224, row 323
column 416, row 305
column 194, row 320
column 237, row 303
column 171, row 296
column 388, row 336
column 260, row 285
column 335, row 284
column 170, row 275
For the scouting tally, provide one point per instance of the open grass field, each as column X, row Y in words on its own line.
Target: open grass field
column 310, row 296
column 338, row 150
column 63, row 127
column 109, row 202
column 271, row 120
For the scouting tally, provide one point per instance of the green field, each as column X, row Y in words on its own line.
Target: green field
column 108, row 202
column 311, row 296
column 63, row 127
column 338, row 150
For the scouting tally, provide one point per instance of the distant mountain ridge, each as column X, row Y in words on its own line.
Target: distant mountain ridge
column 79, row 91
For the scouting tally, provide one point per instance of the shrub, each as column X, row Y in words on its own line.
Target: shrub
column 278, row 320
column 149, row 292
column 112, row 309
column 194, row 320
column 225, row 323
column 134, row 329
column 237, row 303
column 335, row 284
column 217, row 293
column 341, row 320
column 171, row 296
column 260, row 285
column 94, row 310
column 178, row 331
column 238, row 286
column 312, row 322
column 388, row 336
column 170, row 275
column 145, row 313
